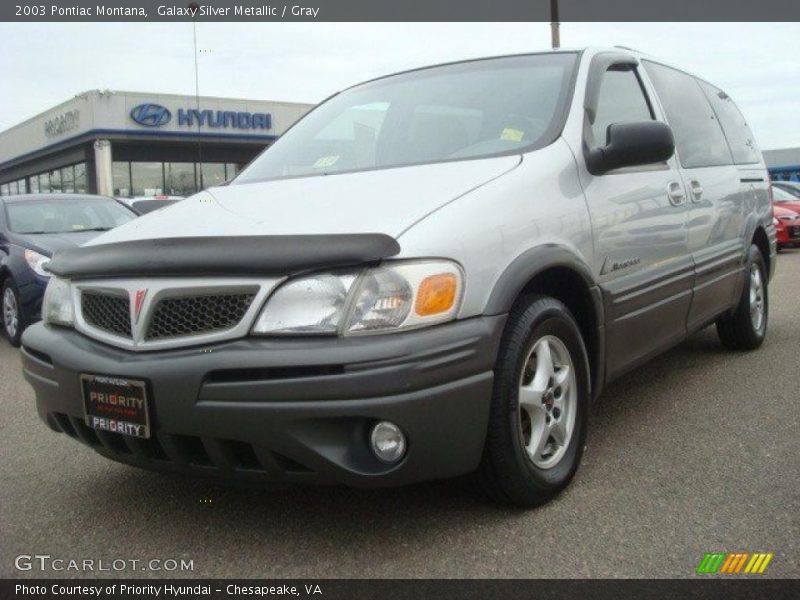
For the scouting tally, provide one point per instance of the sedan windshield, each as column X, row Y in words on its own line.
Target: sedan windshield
column 789, row 188
column 452, row 112
column 66, row 215
column 781, row 195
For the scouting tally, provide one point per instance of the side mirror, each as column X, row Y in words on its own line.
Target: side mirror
column 630, row 145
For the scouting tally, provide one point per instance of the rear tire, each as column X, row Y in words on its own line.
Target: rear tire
column 745, row 327
column 538, row 419
column 11, row 315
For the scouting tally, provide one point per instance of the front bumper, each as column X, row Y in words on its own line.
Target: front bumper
column 295, row 410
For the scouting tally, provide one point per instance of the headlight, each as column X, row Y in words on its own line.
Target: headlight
column 37, row 262
column 57, row 304
column 392, row 297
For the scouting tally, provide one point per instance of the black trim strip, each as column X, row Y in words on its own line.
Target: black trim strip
column 234, row 255
column 751, row 179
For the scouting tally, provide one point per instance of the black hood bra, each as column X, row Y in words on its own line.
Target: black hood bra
column 223, row 256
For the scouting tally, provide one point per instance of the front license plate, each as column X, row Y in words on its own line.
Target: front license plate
column 116, row 404
column 794, row 231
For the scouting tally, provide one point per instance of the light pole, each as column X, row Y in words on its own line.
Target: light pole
column 555, row 34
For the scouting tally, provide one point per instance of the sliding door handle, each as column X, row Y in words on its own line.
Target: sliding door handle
column 697, row 190
column 675, row 193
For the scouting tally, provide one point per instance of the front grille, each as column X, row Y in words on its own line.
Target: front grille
column 108, row 312
column 193, row 315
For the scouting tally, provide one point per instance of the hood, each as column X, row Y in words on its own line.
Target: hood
column 791, row 206
column 49, row 243
column 386, row 201
column 781, row 210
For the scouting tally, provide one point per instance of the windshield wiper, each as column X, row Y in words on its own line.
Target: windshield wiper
column 92, row 229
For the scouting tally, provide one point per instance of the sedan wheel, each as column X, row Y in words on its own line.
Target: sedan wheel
column 10, row 313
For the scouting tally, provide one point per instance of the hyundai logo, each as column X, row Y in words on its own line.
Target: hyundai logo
column 151, row 115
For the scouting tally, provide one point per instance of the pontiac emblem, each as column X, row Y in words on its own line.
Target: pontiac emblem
column 138, row 302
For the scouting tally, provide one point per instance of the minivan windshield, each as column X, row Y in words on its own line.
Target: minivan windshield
column 66, row 215
column 463, row 110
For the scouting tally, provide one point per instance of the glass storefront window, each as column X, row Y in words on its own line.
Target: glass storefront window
column 81, row 182
column 121, row 179
column 147, row 178
column 44, row 183
column 68, row 180
column 22, row 186
column 55, row 181
column 33, row 183
column 213, row 174
column 180, row 179
column 231, row 171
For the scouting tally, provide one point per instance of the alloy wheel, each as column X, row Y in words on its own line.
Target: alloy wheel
column 548, row 398
column 756, row 298
column 10, row 313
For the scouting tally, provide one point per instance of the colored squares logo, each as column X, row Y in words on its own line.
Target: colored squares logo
column 734, row 563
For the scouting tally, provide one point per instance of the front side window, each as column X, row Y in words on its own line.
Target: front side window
column 465, row 110
column 698, row 136
column 621, row 99
column 65, row 216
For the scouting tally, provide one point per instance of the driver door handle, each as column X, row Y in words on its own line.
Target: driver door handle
column 675, row 193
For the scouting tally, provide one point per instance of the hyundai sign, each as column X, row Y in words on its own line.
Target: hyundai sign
column 155, row 115
column 151, row 115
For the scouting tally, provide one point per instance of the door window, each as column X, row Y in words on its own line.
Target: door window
column 621, row 99
column 698, row 136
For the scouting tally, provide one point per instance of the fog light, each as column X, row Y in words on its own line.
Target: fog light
column 388, row 442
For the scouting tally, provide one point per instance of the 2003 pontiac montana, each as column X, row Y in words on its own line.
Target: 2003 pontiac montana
column 431, row 274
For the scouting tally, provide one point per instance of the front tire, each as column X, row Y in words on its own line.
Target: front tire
column 12, row 317
column 538, row 419
column 746, row 326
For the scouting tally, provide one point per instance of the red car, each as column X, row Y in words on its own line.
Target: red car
column 787, row 224
column 785, row 199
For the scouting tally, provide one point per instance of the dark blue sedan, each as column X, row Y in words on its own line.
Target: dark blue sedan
column 32, row 228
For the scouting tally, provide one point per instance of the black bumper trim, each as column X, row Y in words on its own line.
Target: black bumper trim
column 436, row 384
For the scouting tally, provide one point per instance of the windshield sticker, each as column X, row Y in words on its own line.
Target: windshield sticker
column 326, row 161
column 512, row 135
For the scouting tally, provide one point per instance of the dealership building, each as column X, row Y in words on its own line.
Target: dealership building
column 783, row 164
column 130, row 144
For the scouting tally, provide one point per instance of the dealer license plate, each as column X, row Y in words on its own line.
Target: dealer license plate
column 116, row 404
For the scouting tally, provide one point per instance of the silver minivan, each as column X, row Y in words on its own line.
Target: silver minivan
column 431, row 274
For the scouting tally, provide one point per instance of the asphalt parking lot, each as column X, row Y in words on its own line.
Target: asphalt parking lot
column 698, row 451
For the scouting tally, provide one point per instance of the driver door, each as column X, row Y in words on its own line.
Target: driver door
column 639, row 218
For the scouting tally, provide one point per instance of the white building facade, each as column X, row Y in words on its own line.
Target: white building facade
column 130, row 144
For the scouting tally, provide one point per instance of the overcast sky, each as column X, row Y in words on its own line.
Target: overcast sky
column 41, row 65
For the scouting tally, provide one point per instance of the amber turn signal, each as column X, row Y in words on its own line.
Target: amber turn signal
column 436, row 294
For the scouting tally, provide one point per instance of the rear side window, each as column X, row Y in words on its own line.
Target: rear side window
column 698, row 135
column 620, row 99
column 740, row 138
